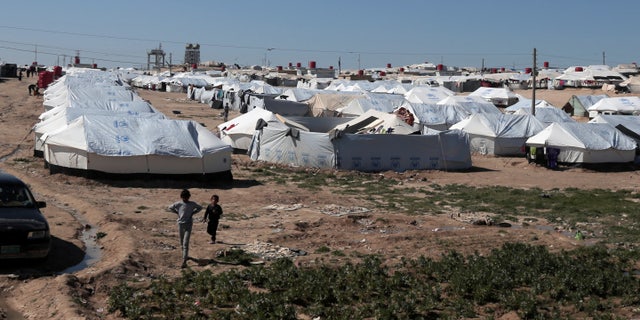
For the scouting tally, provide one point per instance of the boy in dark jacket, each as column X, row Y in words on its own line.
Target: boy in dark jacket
column 212, row 215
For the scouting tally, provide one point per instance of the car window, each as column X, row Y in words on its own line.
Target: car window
column 15, row 196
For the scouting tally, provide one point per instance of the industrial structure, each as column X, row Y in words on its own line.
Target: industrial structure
column 192, row 54
column 159, row 58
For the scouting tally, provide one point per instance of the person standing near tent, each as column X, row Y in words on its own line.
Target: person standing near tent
column 185, row 210
column 212, row 215
column 225, row 112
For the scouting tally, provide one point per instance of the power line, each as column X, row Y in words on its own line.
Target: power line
column 217, row 45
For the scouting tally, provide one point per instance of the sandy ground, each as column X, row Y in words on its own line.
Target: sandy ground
column 140, row 238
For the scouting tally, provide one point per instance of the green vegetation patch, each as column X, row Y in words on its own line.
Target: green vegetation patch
column 590, row 282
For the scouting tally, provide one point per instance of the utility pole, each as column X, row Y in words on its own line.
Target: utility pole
column 533, row 79
column 603, row 58
column 170, row 74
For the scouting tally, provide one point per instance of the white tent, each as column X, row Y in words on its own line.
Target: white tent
column 593, row 76
column 362, row 152
column 501, row 97
column 383, row 103
column 137, row 106
column 586, row 142
column 425, row 94
column 325, row 104
column 629, row 125
column 374, row 121
column 238, row 132
column 615, row 105
column 67, row 115
column 98, row 145
column 499, row 134
column 473, row 104
column 545, row 112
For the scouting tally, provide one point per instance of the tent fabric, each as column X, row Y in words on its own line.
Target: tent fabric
column 360, row 106
column 136, row 145
column 580, row 103
column 238, row 132
column 473, row 104
column 374, row 121
column 132, row 107
column 326, row 104
column 586, row 143
column 500, row 135
column 629, row 125
column 309, row 149
column 547, row 115
column 617, row 105
column 62, row 119
column 370, row 152
column 502, row 97
column 424, row 94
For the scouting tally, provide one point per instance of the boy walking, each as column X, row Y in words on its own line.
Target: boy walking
column 212, row 215
column 185, row 210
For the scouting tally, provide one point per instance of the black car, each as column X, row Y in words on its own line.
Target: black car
column 24, row 231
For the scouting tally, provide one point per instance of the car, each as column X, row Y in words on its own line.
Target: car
column 24, row 230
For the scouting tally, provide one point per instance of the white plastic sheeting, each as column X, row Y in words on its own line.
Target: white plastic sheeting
column 499, row 134
column 586, row 142
column 136, row 145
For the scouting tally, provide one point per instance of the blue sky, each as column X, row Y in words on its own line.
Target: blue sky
column 362, row 34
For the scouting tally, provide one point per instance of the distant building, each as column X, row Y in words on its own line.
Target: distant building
column 192, row 54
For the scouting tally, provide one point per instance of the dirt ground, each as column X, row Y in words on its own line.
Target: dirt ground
column 139, row 238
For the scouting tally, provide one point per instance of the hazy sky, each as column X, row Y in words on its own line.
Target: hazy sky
column 362, row 34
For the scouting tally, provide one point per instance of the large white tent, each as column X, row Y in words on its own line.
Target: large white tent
column 362, row 152
column 586, row 143
column 629, row 125
column 238, row 132
column 615, row 105
column 67, row 115
column 110, row 145
column 426, row 94
column 499, row 134
column 501, row 97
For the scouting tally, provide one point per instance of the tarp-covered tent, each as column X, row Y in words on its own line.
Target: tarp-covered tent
column 593, row 76
column 524, row 103
column 547, row 114
column 443, row 116
column 616, row 105
column 371, row 102
column 362, row 152
column 424, row 94
column 319, row 124
column 282, row 107
column 578, row 104
column 586, row 143
column 499, row 134
column 83, row 93
column 374, row 121
column 326, row 104
column 137, row 106
column 68, row 115
column 500, row 97
column 131, row 147
column 629, row 125
column 473, row 104
column 238, row 131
